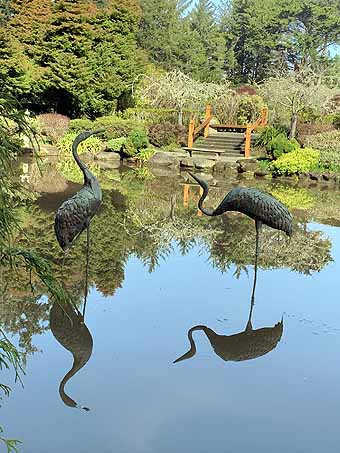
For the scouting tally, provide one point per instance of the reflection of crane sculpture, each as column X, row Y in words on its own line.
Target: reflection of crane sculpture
column 245, row 345
column 67, row 326
column 75, row 214
column 260, row 206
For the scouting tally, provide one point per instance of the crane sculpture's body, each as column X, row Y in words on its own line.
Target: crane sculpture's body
column 260, row 206
column 245, row 345
column 75, row 214
column 67, row 326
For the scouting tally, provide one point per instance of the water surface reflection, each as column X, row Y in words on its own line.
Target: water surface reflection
column 157, row 269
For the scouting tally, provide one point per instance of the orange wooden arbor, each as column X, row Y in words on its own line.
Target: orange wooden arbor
column 249, row 128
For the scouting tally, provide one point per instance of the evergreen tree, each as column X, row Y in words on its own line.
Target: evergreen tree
column 89, row 53
column 254, row 31
column 165, row 33
column 312, row 26
column 203, row 22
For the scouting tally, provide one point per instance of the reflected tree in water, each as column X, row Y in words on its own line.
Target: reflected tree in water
column 148, row 223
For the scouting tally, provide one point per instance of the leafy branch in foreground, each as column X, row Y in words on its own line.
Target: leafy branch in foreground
column 10, row 357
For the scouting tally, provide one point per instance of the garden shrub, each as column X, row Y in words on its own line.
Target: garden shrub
column 155, row 116
column 306, row 129
column 327, row 141
column 116, row 144
column 336, row 121
column 296, row 162
column 330, row 161
column 52, row 125
column 80, row 124
column 164, row 134
column 93, row 144
column 275, row 142
column 249, row 109
column 115, row 126
column 135, row 142
column 139, row 138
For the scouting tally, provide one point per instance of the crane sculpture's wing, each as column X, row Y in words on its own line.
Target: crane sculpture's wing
column 73, row 216
column 260, row 206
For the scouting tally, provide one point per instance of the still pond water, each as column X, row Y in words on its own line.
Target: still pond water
column 156, row 270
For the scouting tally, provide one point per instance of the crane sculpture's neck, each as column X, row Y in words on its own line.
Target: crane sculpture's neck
column 205, row 188
column 77, row 365
column 88, row 175
column 192, row 351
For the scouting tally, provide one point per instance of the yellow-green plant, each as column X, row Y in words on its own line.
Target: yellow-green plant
column 93, row 144
column 293, row 197
column 296, row 162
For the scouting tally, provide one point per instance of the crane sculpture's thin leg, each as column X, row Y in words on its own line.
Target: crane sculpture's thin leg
column 258, row 226
column 87, row 266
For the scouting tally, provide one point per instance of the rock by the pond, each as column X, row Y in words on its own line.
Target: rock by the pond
column 164, row 158
column 107, row 165
column 325, row 176
column 245, row 165
column 188, row 162
column 262, row 173
column 204, row 164
column 48, row 150
column 87, row 157
column 314, row 176
column 108, row 156
column 164, row 171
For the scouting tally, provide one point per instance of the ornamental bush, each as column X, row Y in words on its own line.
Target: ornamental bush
column 52, row 125
column 116, row 144
column 115, row 126
column 327, row 141
column 93, row 144
column 296, row 162
column 306, row 129
column 276, row 143
column 164, row 134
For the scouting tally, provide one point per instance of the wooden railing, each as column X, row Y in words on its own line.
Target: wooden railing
column 193, row 132
column 262, row 121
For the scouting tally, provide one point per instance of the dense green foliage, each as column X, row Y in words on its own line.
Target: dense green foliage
column 275, row 142
column 165, row 134
column 72, row 57
column 296, row 162
column 327, row 141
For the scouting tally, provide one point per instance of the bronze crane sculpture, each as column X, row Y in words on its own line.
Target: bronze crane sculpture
column 258, row 205
column 245, row 345
column 75, row 214
column 68, row 328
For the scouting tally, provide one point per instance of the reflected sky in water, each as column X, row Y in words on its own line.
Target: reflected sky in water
column 287, row 400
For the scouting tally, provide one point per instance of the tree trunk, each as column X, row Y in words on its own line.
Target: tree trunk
column 180, row 118
column 293, row 124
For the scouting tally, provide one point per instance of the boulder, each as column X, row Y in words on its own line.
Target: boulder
column 188, row 162
column 245, row 165
column 204, row 164
column 314, row 176
column 262, row 173
column 87, row 157
column 219, row 167
column 163, row 158
column 107, row 165
column 108, row 156
column 48, row 150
